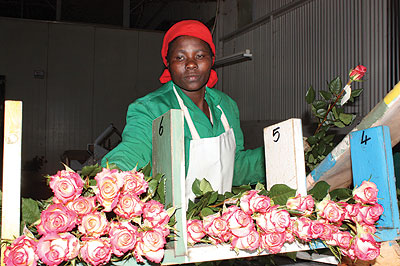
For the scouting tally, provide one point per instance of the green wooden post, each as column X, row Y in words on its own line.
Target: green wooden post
column 169, row 159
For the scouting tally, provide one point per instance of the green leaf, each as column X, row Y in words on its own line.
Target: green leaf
column 280, row 193
column 205, row 186
column 213, row 198
column 312, row 140
column 146, row 170
column 321, row 148
column 206, row 211
column 310, row 95
column 153, row 184
column 328, row 138
column 241, row 189
column 335, row 112
column 30, row 210
column 260, row 186
column 335, row 86
column 319, row 191
column 341, row 194
column 356, row 92
column 171, row 211
column 196, row 188
column 339, row 124
column 321, row 113
column 91, row 170
column 320, row 104
column 161, row 191
column 346, row 118
column 327, row 95
column 292, row 255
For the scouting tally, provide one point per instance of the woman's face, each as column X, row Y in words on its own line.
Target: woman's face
column 189, row 62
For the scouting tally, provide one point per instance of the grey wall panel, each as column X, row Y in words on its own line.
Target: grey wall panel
column 69, row 90
column 308, row 45
column 23, row 49
column 115, row 75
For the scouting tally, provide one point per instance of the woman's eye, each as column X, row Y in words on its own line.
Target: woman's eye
column 179, row 57
column 200, row 56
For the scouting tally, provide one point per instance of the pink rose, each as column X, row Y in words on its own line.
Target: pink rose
column 302, row 228
column 350, row 210
column 151, row 245
column 245, row 201
column 249, row 242
column 343, row 239
column 66, row 185
column 134, row 182
column 216, row 227
column 328, row 231
column 274, row 220
column 367, row 193
column 371, row 214
column 109, row 183
column 365, row 247
column 251, row 202
column 305, row 205
column 22, row 252
column 273, row 241
column 317, row 228
column 370, row 229
column 154, row 214
column 330, row 211
column 123, row 237
column 195, row 231
column 358, row 72
column 349, row 252
column 239, row 223
column 96, row 251
column 53, row 249
column 82, row 205
column 94, row 224
column 56, row 219
column 129, row 206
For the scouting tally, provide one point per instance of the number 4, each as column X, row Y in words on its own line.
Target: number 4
column 364, row 138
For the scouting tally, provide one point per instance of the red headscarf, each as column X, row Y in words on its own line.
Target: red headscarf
column 192, row 28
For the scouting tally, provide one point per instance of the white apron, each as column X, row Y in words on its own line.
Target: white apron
column 210, row 158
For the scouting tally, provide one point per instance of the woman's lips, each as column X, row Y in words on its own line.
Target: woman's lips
column 192, row 77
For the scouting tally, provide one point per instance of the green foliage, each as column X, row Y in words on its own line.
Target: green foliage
column 280, row 193
column 91, row 170
column 329, row 114
column 30, row 210
column 319, row 191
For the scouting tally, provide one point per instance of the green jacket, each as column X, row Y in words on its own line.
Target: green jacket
column 136, row 145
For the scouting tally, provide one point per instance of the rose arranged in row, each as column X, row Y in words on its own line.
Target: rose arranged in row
column 136, row 227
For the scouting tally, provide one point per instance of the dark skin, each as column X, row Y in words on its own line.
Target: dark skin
column 189, row 61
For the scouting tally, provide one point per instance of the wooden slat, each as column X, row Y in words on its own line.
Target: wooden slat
column 10, row 218
column 284, row 155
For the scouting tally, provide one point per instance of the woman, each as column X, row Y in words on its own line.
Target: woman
column 213, row 138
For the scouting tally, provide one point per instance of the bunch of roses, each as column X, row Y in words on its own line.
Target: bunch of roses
column 75, row 226
column 259, row 224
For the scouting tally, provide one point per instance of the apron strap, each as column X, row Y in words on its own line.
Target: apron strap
column 192, row 128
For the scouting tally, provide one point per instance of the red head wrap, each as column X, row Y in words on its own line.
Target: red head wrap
column 192, row 28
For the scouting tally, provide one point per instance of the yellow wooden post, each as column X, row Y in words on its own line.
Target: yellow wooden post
column 10, row 218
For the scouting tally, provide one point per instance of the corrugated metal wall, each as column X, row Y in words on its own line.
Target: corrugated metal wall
column 303, row 46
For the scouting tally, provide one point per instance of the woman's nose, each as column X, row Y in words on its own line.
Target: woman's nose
column 191, row 64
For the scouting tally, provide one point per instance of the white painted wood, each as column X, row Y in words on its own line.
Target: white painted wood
column 10, row 218
column 284, row 155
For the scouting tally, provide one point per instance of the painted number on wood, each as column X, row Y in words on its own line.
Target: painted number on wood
column 161, row 127
column 276, row 134
column 364, row 138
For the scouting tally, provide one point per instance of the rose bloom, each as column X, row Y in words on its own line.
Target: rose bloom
column 154, row 213
column 349, row 252
column 94, row 224
column 301, row 228
column 365, row 247
column 251, row 202
column 54, row 248
column 56, row 219
column 239, row 223
column 123, row 237
column 216, row 227
column 301, row 204
column 358, row 72
column 342, row 239
column 66, row 185
column 371, row 214
column 249, row 242
column 316, row 229
column 273, row 241
column 350, row 210
column 96, row 251
column 330, row 211
column 195, row 231
column 367, row 193
column 274, row 220
column 82, row 205
column 134, row 182
column 129, row 206
column 245, row 201
column 370, row 229
column 22, row 252
column 109, row 183
column 328, row 231
column 151, row 245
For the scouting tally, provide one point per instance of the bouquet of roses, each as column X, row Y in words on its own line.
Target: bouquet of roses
column 113, row 216
column 257, row 219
